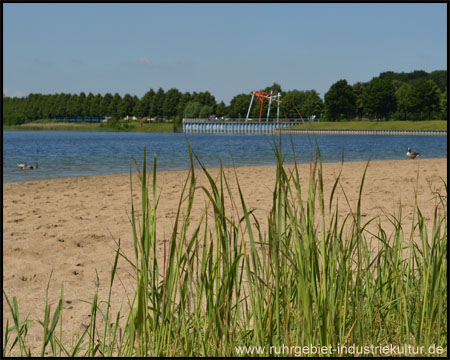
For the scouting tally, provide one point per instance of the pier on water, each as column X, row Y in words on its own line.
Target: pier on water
column 235, row 126
column 285, row 127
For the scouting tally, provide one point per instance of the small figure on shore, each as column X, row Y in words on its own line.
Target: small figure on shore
column 412, row 154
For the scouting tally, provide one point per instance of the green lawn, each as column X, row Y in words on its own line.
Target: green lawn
column 377, row 125
column 41, row 125
column 123, row 126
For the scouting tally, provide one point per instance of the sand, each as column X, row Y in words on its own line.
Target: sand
column 71, row 225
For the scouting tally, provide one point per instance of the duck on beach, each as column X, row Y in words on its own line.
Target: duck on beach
column 412, row 154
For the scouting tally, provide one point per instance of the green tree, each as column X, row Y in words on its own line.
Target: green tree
column 204, row 98
column 389, row 75
column 440, row 79
column 274, row 89
column 427, row 97
column 33, row 106
column 60, row 105
column 113, row 108
column 184, row 100
column 104, row 105
column 135, row 100
column 312, row 105
column 239, row 105
column 170, row 106
column 73, row 107
column 340, row 101
column 126, row 106
column 83, row 106
column 206, row 111
column 406, row 102
column 397, row 83
column 416, row 74
column 145, row 104
column 443, row 104
column 292, row 103
column 158, row 103
column 358, row 91
column 379, row 98
column 90, row 105
column 13, row 111
column 97, row 104
column 192, row 110
column 47, row 108
column 221, row 109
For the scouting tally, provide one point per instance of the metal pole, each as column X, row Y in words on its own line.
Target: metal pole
column 251, row 102
column 268, row 110
column 278, row 108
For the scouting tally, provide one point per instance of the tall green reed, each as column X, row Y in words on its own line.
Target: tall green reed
column 302, row 279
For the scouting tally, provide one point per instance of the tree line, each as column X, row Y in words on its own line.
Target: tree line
column 400, row 96
column 417, row 95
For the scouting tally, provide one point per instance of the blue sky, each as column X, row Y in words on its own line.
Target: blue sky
column 226, row 49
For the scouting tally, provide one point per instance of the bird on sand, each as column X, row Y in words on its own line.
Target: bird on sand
column 412, row 154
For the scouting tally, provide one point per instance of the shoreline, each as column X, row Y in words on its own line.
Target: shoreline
column 198, row 168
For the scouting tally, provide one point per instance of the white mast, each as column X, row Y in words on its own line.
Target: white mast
column 278, row 108
column 268, row 110
column 250, row 106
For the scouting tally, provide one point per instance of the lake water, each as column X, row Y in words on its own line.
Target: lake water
column 69, row 154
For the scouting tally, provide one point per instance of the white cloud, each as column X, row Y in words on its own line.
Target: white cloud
column 146, row 62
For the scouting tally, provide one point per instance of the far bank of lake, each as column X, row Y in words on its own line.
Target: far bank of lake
column 122, row 127
column 136, row 126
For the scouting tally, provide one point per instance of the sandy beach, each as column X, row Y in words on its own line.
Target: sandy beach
column 71, row 225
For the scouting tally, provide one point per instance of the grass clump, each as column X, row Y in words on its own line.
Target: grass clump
column 231, row 288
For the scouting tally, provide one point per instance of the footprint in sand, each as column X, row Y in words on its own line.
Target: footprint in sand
column 16, row 221
column 28, row 278
column 68, row 302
